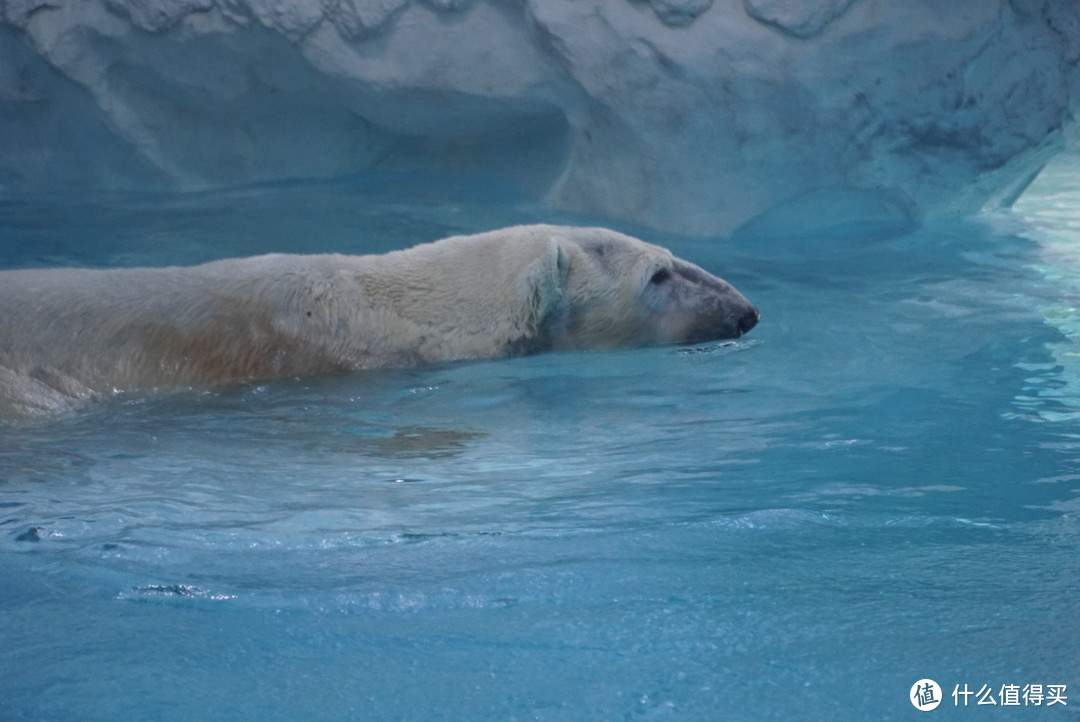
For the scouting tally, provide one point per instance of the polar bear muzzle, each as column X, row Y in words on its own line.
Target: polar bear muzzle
column 695, row 306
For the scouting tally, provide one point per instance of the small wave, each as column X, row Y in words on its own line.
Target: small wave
column 173, row 592
column 716, row 349
column 778, row 519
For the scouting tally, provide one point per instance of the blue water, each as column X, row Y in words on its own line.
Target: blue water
column 879, row 484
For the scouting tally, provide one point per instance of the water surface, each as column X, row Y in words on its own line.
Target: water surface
column 877, row 485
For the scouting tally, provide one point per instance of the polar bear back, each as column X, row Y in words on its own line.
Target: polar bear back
column 148, row 327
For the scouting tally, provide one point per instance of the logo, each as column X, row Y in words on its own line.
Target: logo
column 925, row 695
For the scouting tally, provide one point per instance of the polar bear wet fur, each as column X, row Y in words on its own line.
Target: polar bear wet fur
column 503, row 293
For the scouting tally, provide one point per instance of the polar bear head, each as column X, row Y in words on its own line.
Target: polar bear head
column 614, row 291
column 529, row 289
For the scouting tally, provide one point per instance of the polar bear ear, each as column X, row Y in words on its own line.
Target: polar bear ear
column 543, row 280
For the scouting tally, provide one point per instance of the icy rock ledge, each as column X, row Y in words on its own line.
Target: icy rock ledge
column 689, row 115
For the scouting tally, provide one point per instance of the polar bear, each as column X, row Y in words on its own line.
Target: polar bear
column 73, row 333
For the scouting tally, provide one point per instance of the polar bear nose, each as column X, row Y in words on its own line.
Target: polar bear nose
column 748, row 320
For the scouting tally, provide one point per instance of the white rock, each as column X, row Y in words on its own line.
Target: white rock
column 799, row 18
column 689, row 115
column 677, row 13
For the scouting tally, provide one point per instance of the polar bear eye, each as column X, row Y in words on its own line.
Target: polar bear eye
column 660, row 276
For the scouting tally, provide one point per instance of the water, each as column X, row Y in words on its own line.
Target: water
column 879, row 484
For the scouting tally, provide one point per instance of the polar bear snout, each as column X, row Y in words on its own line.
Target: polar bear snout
column 695, row 306
column 748, row 320
column 742, row 319
column 728, row 319
column 740, row 313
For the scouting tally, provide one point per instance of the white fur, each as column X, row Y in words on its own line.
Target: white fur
column 70, row 333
